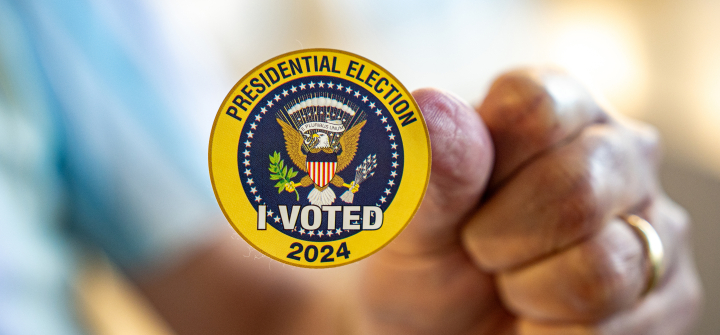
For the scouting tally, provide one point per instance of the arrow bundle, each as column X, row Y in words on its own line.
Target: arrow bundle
column 362, row 172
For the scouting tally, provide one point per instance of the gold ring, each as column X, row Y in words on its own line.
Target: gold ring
column 653, row 248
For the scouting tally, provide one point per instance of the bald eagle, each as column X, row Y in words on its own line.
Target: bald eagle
column 322, row 161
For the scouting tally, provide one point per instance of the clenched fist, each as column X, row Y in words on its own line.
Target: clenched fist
column 520, row 231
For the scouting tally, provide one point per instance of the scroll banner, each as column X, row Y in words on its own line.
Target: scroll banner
column 326, row 126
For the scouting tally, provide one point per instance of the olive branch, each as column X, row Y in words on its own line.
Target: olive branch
column 278, row 171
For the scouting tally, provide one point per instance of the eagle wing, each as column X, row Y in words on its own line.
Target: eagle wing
column 293, row 144
column 349, row 144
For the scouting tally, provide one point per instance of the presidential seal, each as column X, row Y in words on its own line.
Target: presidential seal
column 319, row 157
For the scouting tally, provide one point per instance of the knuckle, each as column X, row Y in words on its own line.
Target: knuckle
column 573, row 205
column 518, row 97
column 598, row 286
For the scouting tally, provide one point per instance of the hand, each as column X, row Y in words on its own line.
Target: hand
column 544, row 251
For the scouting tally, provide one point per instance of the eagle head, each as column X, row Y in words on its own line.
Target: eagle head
column 323, row 141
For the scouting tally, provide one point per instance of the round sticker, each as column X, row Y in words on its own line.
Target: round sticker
column 319, row 157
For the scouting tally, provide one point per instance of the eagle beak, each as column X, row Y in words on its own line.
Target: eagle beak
column 315, row 135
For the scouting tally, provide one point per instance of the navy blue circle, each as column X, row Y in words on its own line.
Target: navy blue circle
column 262, row 136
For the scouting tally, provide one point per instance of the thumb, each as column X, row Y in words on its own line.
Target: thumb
column 462, row 158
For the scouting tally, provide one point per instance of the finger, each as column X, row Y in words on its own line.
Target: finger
column 671, row 309
column 462, row 156
column 423, row 282
column 564, row 196
column 596, row 278
column 529, row 111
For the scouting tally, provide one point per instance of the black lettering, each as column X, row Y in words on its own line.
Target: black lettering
column 407, row 118
column 362, row 67
column 265, row 80
column 399, row 110
column 295, row 66
column 333, row 65
column 396, row 98
column 315, row 61
column 283, row 69
column 370, row 78
column 239, row 101
column 393, row 90
column 232, row 111
column 325, row 64
column 258, row 85
column 270, row 72
column 248, row 93
column 351, row 68
column 307, row 63
column 377, row 85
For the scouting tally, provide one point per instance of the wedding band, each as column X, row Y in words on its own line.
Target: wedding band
column 653, row 248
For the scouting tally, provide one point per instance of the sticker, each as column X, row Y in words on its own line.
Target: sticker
column 319, row 157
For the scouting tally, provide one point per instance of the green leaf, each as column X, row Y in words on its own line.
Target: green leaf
column 284, row 171
column 292, row 173
column 280, row 184
column 275, row 177
column 280, row 190
column 273, row 169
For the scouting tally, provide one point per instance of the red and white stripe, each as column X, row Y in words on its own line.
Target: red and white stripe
column 321, row 172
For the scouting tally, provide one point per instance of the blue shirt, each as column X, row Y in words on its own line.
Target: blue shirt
column 92, row 151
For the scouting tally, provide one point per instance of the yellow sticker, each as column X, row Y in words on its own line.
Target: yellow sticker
column 319, row 157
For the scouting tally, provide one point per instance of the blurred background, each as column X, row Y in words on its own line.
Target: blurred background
column 658, row 61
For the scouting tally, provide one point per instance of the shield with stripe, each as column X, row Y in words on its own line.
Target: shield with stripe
column 321, row 167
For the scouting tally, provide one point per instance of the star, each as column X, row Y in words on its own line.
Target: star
column 250, row 181
column 393, row 174
column 277, row 97
column 391, row 182
column 329, row 232
column 395, row 164
column 285, row 93
column 364, row 99
column 277, row 219
column 387, row 191
column 247, row 143
column 357, row 94
column 378, row 112
column 348, row 90
column 270, row 213
column 250, row 134
column 388, row 128
column 382, row 199
column 384, row 119
column 258, row 198
column 258, row 117
column 312, row 85
column 311, row 233
column 339, row 87
column 372, row 105
column 253, row 190
column 269, row 104
column 246, row 162
column 246, row 153
column 247, row 172
column 263, row 110
column 338, row 231
column 253, row 126
column 392, row 136
column 302, row 86
column 330, row 85
column 301, row 231
column 395, row 155
column 321, row 232
column 293, row 89
column 393, row 145
column 321, row 84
